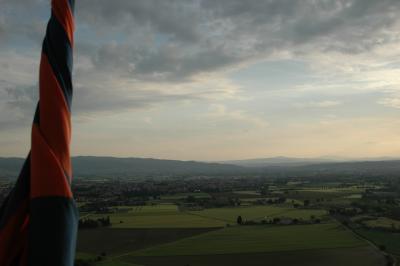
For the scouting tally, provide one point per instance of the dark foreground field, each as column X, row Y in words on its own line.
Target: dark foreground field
column 118, row 241
column 360, row 256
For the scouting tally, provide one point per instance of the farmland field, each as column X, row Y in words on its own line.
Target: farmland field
column 230, row 215
column 178, row 220
column 390, row 241
column 382, row 222
column 200, row 195
column 168, row 216
column 359, row 256
column 285, row 226
column 247, row 239
column 119, row 241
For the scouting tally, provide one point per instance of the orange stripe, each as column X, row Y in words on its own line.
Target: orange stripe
column 62, row 11
column 55, row 121
column 47, row 175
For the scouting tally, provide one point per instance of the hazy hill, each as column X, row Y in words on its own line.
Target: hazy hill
column 281, row 161
column 360, row 168
column 109, row 167
column 10, row 167
column 92, row 166
column 291, row 161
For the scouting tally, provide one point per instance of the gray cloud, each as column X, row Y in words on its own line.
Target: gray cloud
column 172, row 41
column 16, row 106
column 176, row 39
column 184, row 38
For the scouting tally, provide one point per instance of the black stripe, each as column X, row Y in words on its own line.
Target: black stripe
column 72, row 5
column 53, row 228
column 57, row 48
column 18, row 194
column 36, row 118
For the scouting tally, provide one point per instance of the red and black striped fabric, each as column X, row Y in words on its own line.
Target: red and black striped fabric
column 38, row 220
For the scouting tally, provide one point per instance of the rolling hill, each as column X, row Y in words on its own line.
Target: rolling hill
column 108, row 167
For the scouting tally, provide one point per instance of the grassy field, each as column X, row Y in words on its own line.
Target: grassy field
column 247, row 192
column 157, row 209
column 254, row 239
column 92, row 242
column 346, row 190
column 382, row 222
column 326, row 194
column 158, row 216
column 168, row 216
column 359, row 256
column 178, row 220
column 390, row 240
column 162, row 234
column 198, row 195
column 229, row 215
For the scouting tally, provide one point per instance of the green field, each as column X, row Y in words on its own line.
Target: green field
column 92, row 242
column 178, row 220
column 390, row 240
column 158, row 216
column 382, row 222
column 254, row 239
column 168, row 216
column 346, row 190
column 230, row 215
column 161, row 233
column 247, row 192
column 327, row 194
column 198, row 195
column 157, row 209
column 359, row 256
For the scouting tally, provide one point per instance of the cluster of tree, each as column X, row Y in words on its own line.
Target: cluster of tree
column 94, row 223
column 279, row 200
column 277, row 220
column 214, row 202
column 345, row 211
column 373, row 206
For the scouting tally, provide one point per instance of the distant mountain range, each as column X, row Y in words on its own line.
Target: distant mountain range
column 93, row 166
column 291, row 161
column 112, row 167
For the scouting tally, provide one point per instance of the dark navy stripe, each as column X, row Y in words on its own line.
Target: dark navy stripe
column 57, row 48
column 36, row 118
column 53, row 228
column 18, row 194
column 72, row 5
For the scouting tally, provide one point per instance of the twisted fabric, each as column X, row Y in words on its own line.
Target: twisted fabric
column 38, row 220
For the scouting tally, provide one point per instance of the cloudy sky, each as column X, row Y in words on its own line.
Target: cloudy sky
column 214, row 79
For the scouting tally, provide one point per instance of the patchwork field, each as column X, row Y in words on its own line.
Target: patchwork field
column 359, row 256
column 180, row 220
column 158, row 216
column 119, row 241
column 230, row 215
column 171, row 232
column 311, row 245
column 168, row 216
column 382, row 222
column 198, row 195
column 390, row 241
column 254, row 239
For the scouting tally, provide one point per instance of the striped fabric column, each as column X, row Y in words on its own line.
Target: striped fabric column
column 38, row 222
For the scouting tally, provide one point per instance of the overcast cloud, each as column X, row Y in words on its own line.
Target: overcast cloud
column 163, row 74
